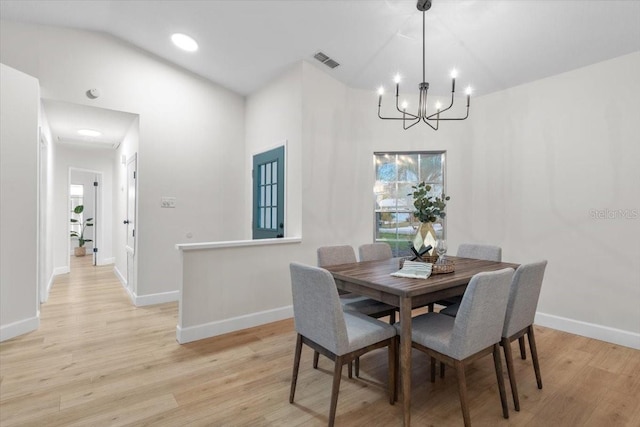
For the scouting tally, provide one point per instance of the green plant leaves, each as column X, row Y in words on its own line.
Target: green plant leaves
column 428, row 208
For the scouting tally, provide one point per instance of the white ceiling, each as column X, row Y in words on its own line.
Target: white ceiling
column 244, row 44
column 65, row 119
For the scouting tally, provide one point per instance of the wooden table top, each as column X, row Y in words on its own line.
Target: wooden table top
column 377, row 275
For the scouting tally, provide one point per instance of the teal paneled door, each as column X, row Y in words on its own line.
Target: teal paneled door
column 268, row 194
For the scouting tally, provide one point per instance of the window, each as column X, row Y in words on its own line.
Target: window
column 396, row 173
column 268, row 194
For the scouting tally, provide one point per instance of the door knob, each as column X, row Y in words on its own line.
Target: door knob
column 126, row 221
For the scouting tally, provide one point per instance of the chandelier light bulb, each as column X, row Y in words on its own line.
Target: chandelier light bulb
column 468, row 90
column 381, row 90
column 454, row 73
column 397, row 78
column 405, row 104
column 438, row 105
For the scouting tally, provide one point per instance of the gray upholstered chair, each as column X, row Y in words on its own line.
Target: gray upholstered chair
column 344, row 254
column 475, row 251
column 336, row 255
column 521, row 310
column 474, row 333
column 341, row 335
column 375, row 252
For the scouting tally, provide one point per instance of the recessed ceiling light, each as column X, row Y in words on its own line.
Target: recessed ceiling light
column 89, row 132
column 184, row 42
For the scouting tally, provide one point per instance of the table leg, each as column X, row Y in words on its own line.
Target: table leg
column 405, row 358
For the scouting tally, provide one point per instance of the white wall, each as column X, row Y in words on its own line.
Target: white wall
column 330, row 173
column 46, row 189
column 273, row 118
column 544, row 157
column 191, row 135
column 341, row 132
column 19, row 109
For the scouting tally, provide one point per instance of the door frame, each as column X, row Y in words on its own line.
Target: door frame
column 98, row 214
column 131, row 262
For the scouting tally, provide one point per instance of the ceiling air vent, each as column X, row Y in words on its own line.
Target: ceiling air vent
column 326, row 60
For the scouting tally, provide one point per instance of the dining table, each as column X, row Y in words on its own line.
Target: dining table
column 374, row 280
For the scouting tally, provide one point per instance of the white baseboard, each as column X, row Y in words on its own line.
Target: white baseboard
column 152, row 299
column 120, row 277
column 20, row 327
column 44, row 298
column 589, row 330
column 61, row 270
column 107, row 261
column 212, row 329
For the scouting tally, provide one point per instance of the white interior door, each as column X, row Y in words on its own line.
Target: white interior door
column 132, row 165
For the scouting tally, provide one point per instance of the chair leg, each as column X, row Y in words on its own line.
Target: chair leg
column 316, row 356
column 462, row 390
column 508, row 356
column 337, row 373
column 350, row 369
column 296, row 367
column 392, row 318
column 433, row 369
column 534, row 355
column 497, row 361
column 357, row 367
column 393, row 361
column 430, row 308
column 523, row 353
column 442, row 365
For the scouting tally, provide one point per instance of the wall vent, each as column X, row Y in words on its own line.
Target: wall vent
column 326, row 60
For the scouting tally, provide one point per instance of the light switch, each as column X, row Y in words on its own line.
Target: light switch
column 167, row 202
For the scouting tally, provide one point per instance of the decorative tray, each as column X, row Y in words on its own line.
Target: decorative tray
column 446, row 266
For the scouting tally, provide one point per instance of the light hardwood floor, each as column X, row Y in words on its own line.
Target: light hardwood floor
column 98, row 361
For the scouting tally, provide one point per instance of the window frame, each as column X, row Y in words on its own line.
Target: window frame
column 394, row 243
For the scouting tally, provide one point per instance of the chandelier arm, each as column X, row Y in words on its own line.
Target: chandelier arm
column 417, row 120
column 389, row 118
column 424, row 119
column 442, row 110
column 452, row 118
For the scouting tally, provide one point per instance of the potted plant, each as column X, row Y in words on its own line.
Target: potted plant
column 80, row 250
column 429, row 209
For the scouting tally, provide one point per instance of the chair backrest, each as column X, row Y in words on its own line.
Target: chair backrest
column 317, row 311
column 336, row 255
column 485, row 252
column 523, row 297
column 481, row 314
column 375, row 251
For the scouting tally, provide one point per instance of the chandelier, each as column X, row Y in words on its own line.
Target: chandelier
column 409, row 119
